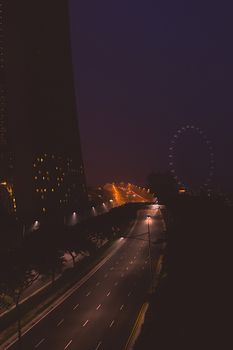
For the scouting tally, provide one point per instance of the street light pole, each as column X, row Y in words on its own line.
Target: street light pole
column 149, row 246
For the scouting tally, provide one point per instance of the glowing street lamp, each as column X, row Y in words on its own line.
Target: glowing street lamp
column 94, row 211
column 149, row 244
column 35, row 226
column 74, row 218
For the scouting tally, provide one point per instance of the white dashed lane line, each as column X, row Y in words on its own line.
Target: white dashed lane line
column 116, row 283
column 97, row 284
column 129, row 294
column 98, row 307
column 111, row 324
column 87, row 295
column 60, row 322
column 108, row 293
column 85, row 323
column 99, row 344
column 40, row 342
column 68, row 344
column 121, row 308
column 75, row 307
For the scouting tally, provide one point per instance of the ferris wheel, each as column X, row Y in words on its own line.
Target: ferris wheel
column 178, row 135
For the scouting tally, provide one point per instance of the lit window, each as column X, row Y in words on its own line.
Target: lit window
column 44, row 210
column 45, row 190
column 35, row 177
column 34, row 165
column 52, row 189
column 41, row 160
column 37, row 190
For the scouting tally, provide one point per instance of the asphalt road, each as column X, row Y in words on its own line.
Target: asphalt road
column 101, row 313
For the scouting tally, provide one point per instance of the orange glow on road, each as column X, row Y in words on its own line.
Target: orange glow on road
column 128, row 193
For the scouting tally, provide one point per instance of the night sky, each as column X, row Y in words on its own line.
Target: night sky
column 142, row 70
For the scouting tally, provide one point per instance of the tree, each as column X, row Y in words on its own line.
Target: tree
column 163, row 185
column 45, row 253
column 16, row 276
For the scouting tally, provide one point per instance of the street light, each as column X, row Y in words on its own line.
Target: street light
column 149, row 244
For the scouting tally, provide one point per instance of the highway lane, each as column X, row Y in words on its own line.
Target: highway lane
column 101, row 313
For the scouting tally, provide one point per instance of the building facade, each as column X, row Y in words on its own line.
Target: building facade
column 7, row 197
column 42, row 110
column 55, row 184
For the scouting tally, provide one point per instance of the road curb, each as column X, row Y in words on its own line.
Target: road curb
column 137, row 327
column 60, row 300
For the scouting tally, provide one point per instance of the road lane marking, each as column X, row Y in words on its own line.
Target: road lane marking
column 108, row 293
column 70, row 291
column 87, row 295
column 112, row 268
column 116, row 283
column 98, row 307
column 68, row 344
column 112, row 323
column 60, row 322
column 127, row 268
column 75, row 307
column 121, row 308
column 129, row 294
column 40, row 342
column 140, row 319
column 134, row 257
column 85, row 323
column 97, row 284
column 98, row 345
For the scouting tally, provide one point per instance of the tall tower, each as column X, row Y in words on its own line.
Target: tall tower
column 7, row 199
column 42, row 108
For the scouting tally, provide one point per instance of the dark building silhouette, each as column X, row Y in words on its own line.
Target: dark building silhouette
column 7, row 199
column 41, row 106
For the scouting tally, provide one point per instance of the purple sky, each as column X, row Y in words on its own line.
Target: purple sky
column 142, row 70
